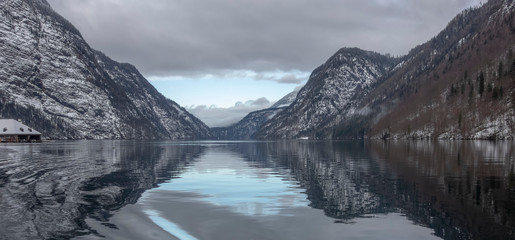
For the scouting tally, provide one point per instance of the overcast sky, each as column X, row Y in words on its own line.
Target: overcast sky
column 247, row 49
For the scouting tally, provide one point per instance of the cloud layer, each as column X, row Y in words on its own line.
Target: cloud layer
column 170, row 38
column 222, row 117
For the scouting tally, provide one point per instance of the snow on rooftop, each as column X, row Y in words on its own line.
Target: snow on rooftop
column 13, row 127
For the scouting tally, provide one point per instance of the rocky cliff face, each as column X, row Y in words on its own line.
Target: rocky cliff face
column 331, row 95
column 52, row 80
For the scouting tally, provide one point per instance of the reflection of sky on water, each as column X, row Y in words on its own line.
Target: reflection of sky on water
column 224, row 196
column 461, row 190
column 168, row 226
column 225, row 179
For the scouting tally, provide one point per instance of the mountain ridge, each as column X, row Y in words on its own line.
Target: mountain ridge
column 446, row 100
column 54, row 81
column 247, row 127
column 458, row 85
column 419, row 95
column 333, row 88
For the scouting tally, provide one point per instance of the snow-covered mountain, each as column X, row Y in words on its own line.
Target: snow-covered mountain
column 52, row 80
column 457, row 85
column 332, row 94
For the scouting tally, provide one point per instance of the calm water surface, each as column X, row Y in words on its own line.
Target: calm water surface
column 257, row 190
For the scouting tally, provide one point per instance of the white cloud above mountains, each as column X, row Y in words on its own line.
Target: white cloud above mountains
column 215, row 116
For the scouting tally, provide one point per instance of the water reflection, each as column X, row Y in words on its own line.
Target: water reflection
column 257, row 190
column 223, row 178
column 271, row 190
column 460, row 189
column 48, row 190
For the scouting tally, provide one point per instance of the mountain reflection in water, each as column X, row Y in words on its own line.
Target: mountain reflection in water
column 47, row 190
column 257, row 190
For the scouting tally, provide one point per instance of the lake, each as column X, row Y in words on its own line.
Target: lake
column 258, row 190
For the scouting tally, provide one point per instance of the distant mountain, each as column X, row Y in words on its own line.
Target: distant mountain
column 331, row 95
column 53, row 81
column 460, row 84
column 247, row 127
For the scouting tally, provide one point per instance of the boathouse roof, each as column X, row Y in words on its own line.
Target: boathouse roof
column 10, row 127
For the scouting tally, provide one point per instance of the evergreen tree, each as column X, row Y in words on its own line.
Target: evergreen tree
column 495, row 93
column 481, row 83
column 500, row 70
column 460, row 119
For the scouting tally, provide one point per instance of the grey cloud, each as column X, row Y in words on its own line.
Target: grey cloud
column 221, row 117
column 260, row 102
column 163, row 37
column 290, row 79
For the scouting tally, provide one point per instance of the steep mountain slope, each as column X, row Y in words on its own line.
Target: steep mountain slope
column 247, row 127
column 53, row 81
column 460, row 84
column 332, row 94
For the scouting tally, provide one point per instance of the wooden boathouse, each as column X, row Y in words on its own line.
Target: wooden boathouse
column 14, row 131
